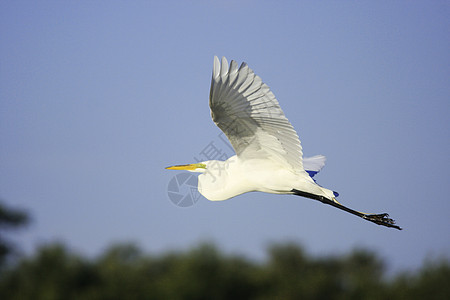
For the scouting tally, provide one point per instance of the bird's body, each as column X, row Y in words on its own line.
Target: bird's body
column 226, row 179
column 268, row 151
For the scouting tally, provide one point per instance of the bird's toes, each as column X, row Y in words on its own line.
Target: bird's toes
column 381, row 219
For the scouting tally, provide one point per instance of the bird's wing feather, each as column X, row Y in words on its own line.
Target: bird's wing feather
column 245, row 109
column 314, row 163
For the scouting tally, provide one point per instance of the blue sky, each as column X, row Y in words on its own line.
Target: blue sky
column 96, row 98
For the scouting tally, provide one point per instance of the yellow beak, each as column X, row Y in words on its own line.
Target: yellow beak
column 189, row 167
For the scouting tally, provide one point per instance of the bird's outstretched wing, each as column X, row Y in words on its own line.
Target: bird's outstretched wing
column 245, row 109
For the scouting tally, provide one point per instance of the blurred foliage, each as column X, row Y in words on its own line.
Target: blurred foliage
column 125, row 272
column 9, row 219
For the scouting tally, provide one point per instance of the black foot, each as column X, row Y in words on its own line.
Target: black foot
column 382, row 219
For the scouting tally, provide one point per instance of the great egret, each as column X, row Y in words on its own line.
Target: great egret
column 268, row 151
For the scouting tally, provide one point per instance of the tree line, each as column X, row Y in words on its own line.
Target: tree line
column 125, row 272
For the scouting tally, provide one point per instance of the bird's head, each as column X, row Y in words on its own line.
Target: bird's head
column 198, row 167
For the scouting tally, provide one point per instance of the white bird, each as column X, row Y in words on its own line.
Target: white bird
column 268, row 151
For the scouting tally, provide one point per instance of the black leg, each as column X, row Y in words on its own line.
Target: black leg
column 380, row 219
